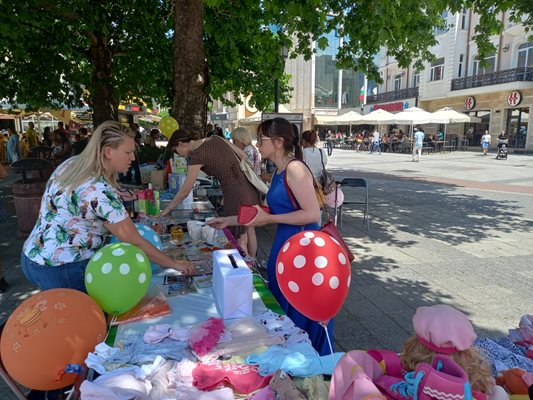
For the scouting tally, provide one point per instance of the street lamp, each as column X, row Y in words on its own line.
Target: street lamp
column 283, row 52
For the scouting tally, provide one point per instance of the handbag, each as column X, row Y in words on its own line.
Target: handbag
column 327, row 181
column 329, row 227
column 250, row 174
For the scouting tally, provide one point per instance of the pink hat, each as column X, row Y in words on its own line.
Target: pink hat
column 443, row 329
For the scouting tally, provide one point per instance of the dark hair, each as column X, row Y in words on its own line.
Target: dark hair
column 83, row 131
column 181, row 135
column 310, row 137
column 281, row 128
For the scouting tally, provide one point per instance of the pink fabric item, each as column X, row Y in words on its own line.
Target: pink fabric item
column 444, row 327
column 156, row 333
column 353, row 378
column 264, row 394
column 205, row 337
column 528, row 378
column 241, row 377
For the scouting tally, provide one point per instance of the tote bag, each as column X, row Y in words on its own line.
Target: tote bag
column 248, row 171
column 329, row 227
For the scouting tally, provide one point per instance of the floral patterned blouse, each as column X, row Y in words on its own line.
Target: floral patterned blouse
column 71, row 227
column 254, row 158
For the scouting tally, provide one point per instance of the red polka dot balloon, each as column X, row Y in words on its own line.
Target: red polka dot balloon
column 314, row 274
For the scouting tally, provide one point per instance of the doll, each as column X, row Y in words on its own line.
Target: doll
column 437, row 362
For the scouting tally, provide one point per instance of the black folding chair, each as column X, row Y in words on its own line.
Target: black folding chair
column 354, row 183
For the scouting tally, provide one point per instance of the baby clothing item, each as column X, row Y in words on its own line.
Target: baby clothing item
column 121, row 386
column 300, row 359
column 181, row 373
column 191, row 393
column 284, row 388
column 246, row 336
column 443, row 329
column 283, row 326
column 314, row 387
column 204, row 338
column 242, row 378
column 504, row 354
column 156, row 333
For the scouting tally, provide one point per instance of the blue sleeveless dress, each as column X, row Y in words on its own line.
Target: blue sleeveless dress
column 279, row 202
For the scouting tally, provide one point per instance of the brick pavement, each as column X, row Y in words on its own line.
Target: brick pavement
column 454, row 228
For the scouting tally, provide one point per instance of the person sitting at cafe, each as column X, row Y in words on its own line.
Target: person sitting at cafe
column 80, row 208
column 430, row 141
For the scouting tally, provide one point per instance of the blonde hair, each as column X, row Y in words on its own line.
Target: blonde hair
column 476, row 367
column 242, row 135
column 90, row 163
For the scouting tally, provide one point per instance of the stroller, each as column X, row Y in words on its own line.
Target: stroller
column 502, row 149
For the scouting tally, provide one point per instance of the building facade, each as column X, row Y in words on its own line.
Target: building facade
column 500, row 92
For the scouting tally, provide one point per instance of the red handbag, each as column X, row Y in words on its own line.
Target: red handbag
column 329, row 227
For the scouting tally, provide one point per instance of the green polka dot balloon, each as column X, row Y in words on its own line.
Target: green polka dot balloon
column 117, row 277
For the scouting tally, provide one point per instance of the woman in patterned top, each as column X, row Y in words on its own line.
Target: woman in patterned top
column 79, row 208
column 217, row 157
column 243, row 140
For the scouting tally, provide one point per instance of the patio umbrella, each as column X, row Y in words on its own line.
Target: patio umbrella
column 349, row 118
column 414, row 115
column 377, row 117
column 448, row 115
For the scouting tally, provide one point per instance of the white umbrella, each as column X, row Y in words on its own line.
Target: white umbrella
column 448, row 115
column 349, row 118
column 414, row 115
column 377, row 117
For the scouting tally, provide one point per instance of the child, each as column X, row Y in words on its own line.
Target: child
column 437, row 362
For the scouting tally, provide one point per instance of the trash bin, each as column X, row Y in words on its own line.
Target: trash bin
column 28, row 191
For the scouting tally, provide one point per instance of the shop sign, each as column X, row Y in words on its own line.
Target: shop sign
column 514, row 98
column 470, row 103
column 390, row 107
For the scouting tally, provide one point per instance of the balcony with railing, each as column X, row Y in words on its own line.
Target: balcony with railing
column 391, row 96
column 495, row 78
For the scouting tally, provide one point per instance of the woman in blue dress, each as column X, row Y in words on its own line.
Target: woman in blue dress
column 277, row 141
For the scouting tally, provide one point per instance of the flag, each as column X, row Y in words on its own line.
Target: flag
column 362, row 93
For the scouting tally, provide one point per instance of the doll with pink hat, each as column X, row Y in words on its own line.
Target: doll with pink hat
column 437, row 363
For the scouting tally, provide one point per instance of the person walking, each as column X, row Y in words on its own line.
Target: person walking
column 419, row 143
column 485, row 142
column 330, row 137
column 375, row 145
column 277, row 141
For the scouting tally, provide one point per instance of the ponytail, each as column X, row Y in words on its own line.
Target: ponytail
column 296, row 144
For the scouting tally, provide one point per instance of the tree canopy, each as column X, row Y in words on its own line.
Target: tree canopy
column 64, row 52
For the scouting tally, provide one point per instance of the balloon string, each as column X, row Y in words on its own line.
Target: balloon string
column 325, row 326
column 113, row 320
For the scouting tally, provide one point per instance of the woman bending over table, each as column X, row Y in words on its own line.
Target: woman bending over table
column 278, row 142
column 219, row 158
column 79, row 208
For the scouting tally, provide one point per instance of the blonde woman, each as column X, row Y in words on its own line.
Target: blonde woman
column 243, row 140
column 79, row 208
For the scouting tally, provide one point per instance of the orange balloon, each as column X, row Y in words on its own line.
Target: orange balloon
column 48, row 331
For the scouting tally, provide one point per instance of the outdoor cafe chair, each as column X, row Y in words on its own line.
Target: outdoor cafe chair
column 353, row 183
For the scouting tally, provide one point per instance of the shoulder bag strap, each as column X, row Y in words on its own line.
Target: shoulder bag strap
column 322, row 160
column 291, row 194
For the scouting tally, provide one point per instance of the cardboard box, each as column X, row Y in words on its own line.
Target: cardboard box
column 232, row 287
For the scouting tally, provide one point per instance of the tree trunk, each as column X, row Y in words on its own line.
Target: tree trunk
column 190, row 67
column 104, row 105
